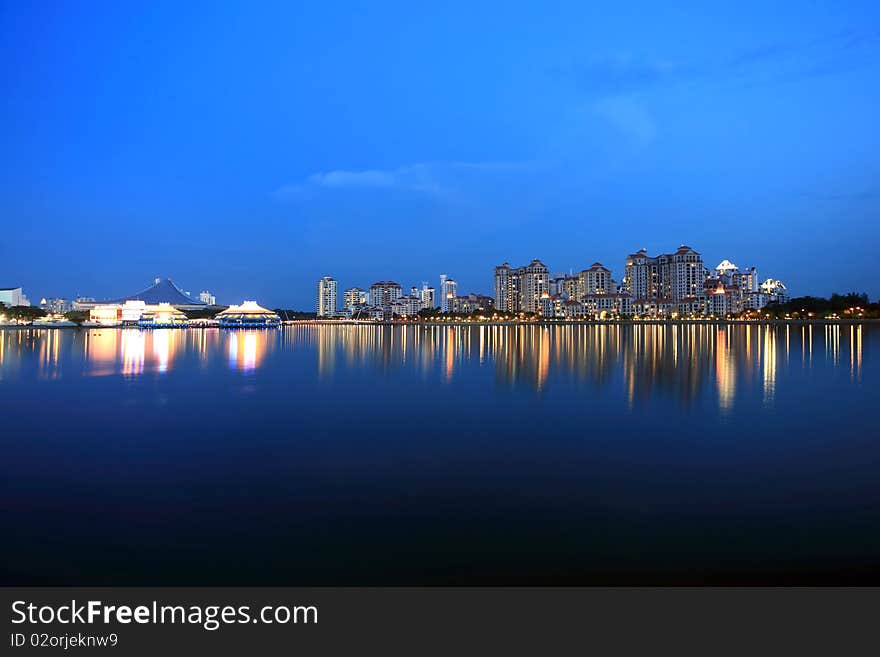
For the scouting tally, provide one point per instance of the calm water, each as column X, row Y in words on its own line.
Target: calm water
column 389, row 455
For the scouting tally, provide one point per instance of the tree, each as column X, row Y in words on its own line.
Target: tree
column 23, row 313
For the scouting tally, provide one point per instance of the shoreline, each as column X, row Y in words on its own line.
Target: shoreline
column 460, row 322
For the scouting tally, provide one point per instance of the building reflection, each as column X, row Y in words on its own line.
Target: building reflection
column 247, row 348
column 682, row 363
column 133, row 350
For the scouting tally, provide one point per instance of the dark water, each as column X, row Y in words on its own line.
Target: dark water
column 391, row 455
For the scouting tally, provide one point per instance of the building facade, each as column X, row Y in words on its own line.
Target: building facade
column 448, row 290
column 595, row 280
column 354, row 297
column 521, row 288
column 670, row 276
column 13, row 296
column 383, row 293
column 327, row 288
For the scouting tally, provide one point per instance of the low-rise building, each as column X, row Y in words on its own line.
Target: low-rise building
column 55, row 305
column 472, row 303
column 13, row 296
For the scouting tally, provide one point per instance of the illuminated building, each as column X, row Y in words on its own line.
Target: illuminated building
column 426, row 294
column 13, row 296
column 521, row 289
column 207, row 298
column 672, row 276
column 248, row 315
column 595, row 280
column 163, row 315
column 471, row 303
column 504, row 294
column 606, row 306
column 326, row 306
column 448, row 289
column 354, row 297
column 106, row 315
column 54, row 305
column 383, row 293
column 408, row 306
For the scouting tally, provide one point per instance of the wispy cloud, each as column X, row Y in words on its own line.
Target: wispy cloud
column 428, row 178
column 766, row 63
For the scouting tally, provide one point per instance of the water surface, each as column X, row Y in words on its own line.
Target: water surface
column 434, row 455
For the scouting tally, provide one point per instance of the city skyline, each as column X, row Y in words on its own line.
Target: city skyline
column 250, row 150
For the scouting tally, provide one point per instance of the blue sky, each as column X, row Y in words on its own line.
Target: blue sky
column 251, row 148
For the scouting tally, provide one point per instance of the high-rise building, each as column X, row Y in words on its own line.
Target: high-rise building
column 596, row 280
column 206, row 297
column 327, row 297
column 448, row 289
column 383, row 293
column 685, row 273
column 427, row 296
column 504, row 297
column 354, row 297
column 672, row 276
column 534, row 280
column 521, row 288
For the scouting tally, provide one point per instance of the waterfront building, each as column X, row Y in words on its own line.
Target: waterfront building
column 719, row 299
column 13, row 296
column 408, row 306
column 448, row 289
column 55, row 305
column 207, row 298
column 135, row 311
column 375, row 312
column 534, row 281
column 427, row 296
column 747, row 280
column 504, row 293
column 521, row 288
column 248, row 315
column 163, row 315
column 653, row 307
column 595, row 280
column 106, row 314
column 607, row 306
column 775, row 291
column 472, row 303
column 684, row 273
column 571, row 287
column 672, row 276
column 326, row 306
column 383, row 293
column 162, row 291
column 354, row 297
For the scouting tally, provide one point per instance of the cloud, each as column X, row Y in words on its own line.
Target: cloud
column 369, row 178
column 627, row 116
column 766, row 63
column 425, row 178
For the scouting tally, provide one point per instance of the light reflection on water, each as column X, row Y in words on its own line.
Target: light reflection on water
column 545, row 454
column 688, row 360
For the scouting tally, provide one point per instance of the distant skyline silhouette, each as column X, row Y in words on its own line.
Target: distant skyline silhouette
column 250, row 150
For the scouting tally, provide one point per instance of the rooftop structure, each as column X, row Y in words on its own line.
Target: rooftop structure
column 161, row 291
column 248, row 315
